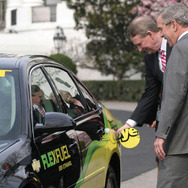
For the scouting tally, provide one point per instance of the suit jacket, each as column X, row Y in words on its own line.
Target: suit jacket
column 146, row 109
column 173, row 123
column 37, row 117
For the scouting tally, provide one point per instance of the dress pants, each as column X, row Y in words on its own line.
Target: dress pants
column 173, row 172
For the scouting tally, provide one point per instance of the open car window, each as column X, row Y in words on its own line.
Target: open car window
column 43, row 97
column 68, row 92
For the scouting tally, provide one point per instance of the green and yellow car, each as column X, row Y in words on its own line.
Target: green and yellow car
column 53, row 132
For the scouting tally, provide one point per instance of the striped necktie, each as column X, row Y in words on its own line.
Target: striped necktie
column 163, row 60
column 41, row 110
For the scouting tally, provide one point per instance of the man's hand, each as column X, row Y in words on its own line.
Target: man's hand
column 153, row 125
column 126, row 126
column 158, row 146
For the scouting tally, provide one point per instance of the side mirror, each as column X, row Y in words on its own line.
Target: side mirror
column 55, row 121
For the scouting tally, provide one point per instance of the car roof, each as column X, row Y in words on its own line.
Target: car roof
column 15, row 61
column 11, row 60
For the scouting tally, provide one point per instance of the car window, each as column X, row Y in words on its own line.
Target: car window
column 68, row 91
column 9, row 104
column 89, row 100
column 43, row 97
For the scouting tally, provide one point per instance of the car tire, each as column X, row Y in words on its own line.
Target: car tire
column 111, row 180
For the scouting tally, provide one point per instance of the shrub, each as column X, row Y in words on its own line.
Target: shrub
column 122, row 90
column 65, row 60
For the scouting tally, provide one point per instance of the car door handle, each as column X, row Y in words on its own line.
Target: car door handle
column 73, row 147
column 100, row 131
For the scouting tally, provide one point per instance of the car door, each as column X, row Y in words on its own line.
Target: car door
column 55, row 154
column 89, row 124
column 95, row 159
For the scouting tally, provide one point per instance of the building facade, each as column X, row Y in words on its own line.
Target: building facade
column 29, row 27
column 28, row 15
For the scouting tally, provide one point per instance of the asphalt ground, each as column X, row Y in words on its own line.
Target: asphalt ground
column 148, row 177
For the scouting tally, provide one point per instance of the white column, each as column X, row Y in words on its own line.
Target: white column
column 13, row 3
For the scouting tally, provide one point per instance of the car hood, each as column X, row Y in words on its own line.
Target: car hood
column 14, row 156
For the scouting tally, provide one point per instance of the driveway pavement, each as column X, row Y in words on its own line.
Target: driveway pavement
column 147, row 179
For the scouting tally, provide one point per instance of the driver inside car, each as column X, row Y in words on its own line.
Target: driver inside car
column 38, row 104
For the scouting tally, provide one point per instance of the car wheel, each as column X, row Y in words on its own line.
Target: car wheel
column 111, row 181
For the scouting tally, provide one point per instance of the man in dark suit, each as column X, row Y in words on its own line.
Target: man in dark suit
column 171, row 145
column 38, row 104
column 145, row 35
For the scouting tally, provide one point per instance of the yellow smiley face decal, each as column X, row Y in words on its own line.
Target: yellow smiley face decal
column 129, row 138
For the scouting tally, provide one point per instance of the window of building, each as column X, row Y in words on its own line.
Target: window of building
column 40, row 14
column 44, row 14
column 13, row 17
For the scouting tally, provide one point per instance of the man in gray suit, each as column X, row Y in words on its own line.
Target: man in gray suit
column 171, row 145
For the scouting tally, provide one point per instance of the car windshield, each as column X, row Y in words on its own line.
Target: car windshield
column 9, row 105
